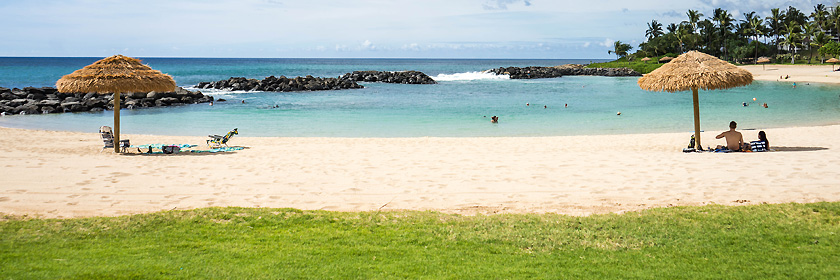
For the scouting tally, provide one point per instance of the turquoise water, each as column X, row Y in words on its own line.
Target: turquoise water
column 460, row 105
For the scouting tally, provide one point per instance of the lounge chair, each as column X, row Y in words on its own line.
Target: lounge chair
column 216, row 141
column 107, row 136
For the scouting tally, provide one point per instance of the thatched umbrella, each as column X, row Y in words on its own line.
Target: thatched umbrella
column 832, row 61
column 692, row 71
column 665, row 59
column 646, row 59
column 116, row 74
column 763, row 60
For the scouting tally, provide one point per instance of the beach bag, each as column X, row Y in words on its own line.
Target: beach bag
column 170, row 149
column 691, row 143
column 758, row 146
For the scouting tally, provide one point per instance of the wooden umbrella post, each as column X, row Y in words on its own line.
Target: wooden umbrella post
column 696, row 119
column 116, row 122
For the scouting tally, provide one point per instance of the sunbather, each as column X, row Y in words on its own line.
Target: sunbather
column 734, row 139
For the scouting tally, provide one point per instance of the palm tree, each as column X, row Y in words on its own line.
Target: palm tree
column 724, row 21
column 794, row 15
column 693, row 19
column 755, row 28
column 706, row 29
column 620, row 49
column 774, row 21
column 654, row 30
column 792, row 38
column 671, row 28
column 819, row 15
column 820, row 39
column 834, row 20
column 808, row 30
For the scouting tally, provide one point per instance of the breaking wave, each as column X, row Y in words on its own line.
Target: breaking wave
column 470, row 76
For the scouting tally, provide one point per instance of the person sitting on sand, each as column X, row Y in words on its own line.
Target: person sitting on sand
column 763, row 138
column 734, row 139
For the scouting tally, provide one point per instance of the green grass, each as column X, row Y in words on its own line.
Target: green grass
column 639, row 66
column 782, row 241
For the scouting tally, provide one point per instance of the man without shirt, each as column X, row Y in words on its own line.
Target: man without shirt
column 734, row 139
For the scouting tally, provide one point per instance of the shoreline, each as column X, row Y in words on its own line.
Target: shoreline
column 64, row 174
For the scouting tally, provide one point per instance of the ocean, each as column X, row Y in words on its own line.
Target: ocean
column 460, row 105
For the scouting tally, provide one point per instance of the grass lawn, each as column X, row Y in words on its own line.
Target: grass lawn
column 781, row 241
column 639, row 66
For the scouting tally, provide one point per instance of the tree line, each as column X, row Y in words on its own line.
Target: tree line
column 784, row 35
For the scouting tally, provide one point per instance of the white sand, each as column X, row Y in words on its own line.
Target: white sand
column 63, row 174
column 797, row 73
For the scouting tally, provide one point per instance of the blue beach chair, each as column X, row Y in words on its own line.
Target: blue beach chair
column 216, row 141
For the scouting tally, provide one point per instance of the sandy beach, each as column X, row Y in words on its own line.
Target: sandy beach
column 797, row 73
column 63, row 174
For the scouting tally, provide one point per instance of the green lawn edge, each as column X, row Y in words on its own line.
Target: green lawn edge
column 769, row 241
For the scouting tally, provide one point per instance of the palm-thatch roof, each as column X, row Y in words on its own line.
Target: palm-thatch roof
column 695, row 70
column 763, row 59
column 116, row 74
column 646, row 59
column 833, row 60
column 665, row 59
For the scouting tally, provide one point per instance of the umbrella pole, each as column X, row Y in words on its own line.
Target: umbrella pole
column 116, row 122
column 696, row 118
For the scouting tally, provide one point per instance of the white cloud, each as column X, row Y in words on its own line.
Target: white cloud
column 586, row 45
column 368, row 45
column 502, row 4
column 607, row 42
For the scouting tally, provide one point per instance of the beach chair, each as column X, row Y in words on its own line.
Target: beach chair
column 216, row 141
column 107, row 136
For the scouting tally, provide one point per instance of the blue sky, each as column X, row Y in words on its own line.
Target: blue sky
column 344, row 28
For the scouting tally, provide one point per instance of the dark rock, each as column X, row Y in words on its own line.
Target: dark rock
column 167, row 101
column 539, row 72
column 31, row 90
column 36, row 96
column 47, row 109
column 18, row 102
column 49, row 103
column 7, row 109
column 28, row 109
column 153, row 95
column 280, row 84
column 400, row 77
column 88, row 95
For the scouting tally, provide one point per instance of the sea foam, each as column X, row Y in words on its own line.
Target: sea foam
column 470, row 76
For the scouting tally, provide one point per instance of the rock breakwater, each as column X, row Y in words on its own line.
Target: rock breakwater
column 540, row 72
column 280, row 84
column 398, row 77
column 46, row 100
column 309, row 83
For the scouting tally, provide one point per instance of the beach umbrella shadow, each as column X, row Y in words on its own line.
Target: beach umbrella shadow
column 692, row 71
column 116, row 74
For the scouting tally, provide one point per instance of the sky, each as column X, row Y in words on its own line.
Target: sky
column 533, row 29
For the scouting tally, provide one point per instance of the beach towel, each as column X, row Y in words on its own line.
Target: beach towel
column 217, row 150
